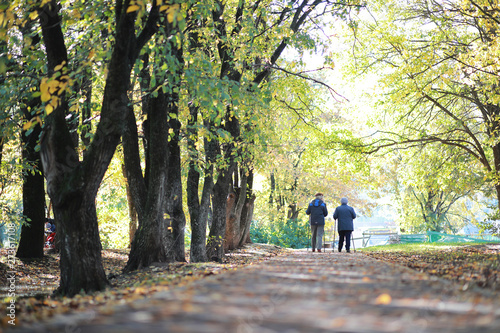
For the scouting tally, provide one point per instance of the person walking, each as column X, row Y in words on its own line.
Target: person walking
column 317, row 211
column 344, row 215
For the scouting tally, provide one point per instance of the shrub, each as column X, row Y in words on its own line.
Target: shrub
column 285, row 233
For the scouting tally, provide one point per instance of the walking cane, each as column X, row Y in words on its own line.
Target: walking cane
column 309, row 234
column 334, row 233
column 353, row 246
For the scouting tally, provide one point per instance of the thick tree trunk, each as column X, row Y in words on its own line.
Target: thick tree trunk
column 81, row 265
column 72, row 194
column 247, row 217
column 199, row 210
column 215, row 244
column 215, row 248
column 173, row 207
column 230, row 233
column 32, row 232
column 72, row 185
column 247, row 212
column 236, row 203
column 153, row 238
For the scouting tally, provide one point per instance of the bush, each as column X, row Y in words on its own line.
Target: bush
column 285, row 233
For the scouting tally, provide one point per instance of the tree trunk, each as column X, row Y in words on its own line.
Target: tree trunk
column 72, row 185
column 32, row 232
column 132, row 212
column 2, row 138
column 152, row 239
column 247, row 212
column 81, row 265
column 293, row 212
column 74, row 207
column 230, row 233
column 215, row 244
column 173, row 208
column 86, row 115
column 199, row 210
column 236, row 203
column 496, row 160
column 198, row 228
column 246, row 219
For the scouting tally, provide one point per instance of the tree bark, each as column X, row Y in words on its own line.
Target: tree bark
column 198, row 228
column 247, row 218
column 199, row 209
column 86, row 115
column 236, row 203
column 247, row 212
column 153, row 238
column 215, row 244
column 230, row 233
column 132, row 213
column 32, row 232
column 174, row 208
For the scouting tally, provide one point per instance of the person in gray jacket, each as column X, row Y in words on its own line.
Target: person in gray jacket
column 317, row 211
column 344, row 215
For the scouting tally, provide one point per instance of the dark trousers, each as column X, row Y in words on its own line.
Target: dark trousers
column 317, row 232
column 345, row 234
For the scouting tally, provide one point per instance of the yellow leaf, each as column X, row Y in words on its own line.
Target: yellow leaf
column 58, row 67
column 53, row 86
column 171, row 12
column 383, row 299
column 43, row 85
column 62, row 87
column 45, row 97
column 55, row 101
column 27, row 125
column 133, row 8
column 48, row 109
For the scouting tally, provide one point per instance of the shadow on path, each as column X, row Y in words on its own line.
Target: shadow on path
column 300, row 292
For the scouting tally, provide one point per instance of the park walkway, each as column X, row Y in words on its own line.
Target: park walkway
column 301, row 292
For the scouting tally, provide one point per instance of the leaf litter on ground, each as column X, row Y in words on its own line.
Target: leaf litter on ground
column 37, row 279
column 470, row 265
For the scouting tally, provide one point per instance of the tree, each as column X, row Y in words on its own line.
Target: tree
column 160, row 236
column 72, row 184
column 441, row 82
column 291, row 20
column 31, row 243
column 433, row 185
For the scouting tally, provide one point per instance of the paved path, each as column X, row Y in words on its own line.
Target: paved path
column 301, row 292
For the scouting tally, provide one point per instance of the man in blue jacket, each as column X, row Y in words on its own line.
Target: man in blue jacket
column 317, row 211
column 344, row 215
